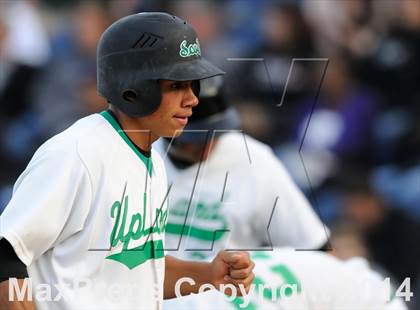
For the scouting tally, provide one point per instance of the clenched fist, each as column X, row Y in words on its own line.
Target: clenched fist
column 231, row 267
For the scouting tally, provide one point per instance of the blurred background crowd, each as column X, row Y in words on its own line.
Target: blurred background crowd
column 344, row 119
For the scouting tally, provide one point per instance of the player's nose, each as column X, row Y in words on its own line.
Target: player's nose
column 190, row 99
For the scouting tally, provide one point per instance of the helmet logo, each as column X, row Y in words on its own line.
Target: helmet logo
column 189, row 50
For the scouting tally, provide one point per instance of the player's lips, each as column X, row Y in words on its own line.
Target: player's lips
column 182, row 118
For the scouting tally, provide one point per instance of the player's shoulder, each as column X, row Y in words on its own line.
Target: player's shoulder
column 361, row 267
column 85, row 134
column 237, row 141
column 259, row 155
column 81, row 130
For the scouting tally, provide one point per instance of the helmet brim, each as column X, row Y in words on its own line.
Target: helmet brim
column 197, row 69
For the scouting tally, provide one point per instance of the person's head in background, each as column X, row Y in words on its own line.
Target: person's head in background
column 362, row 206
column 211, row 118
column 347, row 241
column 410, row 14
column 90, row 19
column 204, row 16
column 338, row 82
column 285, row 29
column 3, row 31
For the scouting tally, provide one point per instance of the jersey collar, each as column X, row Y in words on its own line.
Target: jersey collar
column 113, row 122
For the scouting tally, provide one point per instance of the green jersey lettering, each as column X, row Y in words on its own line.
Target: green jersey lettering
column 136, row 229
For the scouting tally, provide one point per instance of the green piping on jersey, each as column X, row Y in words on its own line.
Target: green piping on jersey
column 123, row 135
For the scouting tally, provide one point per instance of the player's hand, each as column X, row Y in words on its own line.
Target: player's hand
column 235, row 268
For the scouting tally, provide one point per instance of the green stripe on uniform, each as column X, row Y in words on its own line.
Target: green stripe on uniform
column 202, row 234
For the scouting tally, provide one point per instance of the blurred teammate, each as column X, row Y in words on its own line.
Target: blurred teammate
column 288, row 279
column 230, row 189
column 88, row 214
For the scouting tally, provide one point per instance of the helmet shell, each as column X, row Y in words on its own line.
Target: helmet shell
column 137, row 51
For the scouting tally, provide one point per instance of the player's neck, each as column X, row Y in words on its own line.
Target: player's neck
column 141, row 137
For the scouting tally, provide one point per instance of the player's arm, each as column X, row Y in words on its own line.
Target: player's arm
column 55, row 186
column 14, row 305
column 12, row 267
column 227, row 267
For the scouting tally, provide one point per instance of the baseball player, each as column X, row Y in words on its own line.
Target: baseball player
column 287, row 279
column 229, row 189
column 87, row 216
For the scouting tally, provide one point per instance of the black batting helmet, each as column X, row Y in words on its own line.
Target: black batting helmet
column 138, row 50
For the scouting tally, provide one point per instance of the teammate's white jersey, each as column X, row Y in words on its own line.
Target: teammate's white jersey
column 87, row 217
column 302, row 280
column 242, row 187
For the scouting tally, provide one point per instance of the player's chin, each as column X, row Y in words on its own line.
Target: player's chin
column 173, row 133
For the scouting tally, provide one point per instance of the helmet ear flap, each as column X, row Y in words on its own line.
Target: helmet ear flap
column 140, row 99
column 129, row 95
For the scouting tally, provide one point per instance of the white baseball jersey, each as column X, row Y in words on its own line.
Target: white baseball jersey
column 240, row 197
column 87, row 217
column 288, row 279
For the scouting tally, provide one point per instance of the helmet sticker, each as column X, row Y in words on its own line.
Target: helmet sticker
column 189, row 50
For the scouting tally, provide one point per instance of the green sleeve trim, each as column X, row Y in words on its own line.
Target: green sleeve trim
column 147, row 161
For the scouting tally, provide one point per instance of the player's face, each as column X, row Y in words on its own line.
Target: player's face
column 176, row 105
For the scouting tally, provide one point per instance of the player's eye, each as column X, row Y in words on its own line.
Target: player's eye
column 180, row 85
column 176, row 85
